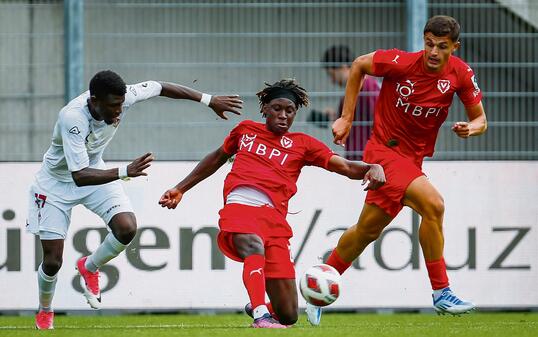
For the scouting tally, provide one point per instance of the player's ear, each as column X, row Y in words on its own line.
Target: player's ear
column 264, row 110
column 94, row 99
column 457, row 45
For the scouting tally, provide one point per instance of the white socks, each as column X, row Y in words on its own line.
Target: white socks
column 47, row 285
column 259, row 311
column 109, row 249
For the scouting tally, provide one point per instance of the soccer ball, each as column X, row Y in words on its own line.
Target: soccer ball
column 320, row 285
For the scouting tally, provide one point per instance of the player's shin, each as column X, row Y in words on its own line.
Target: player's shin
column 47, row 286
column 254, row 281
column 351, row 244
column 437, row 274
column 107, row 250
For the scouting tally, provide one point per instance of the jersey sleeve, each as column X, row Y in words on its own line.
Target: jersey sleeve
column 141, row 91
column 388, row 62
column 317, row 153
column 231, row 142
column 469, row 92
column 74, row 130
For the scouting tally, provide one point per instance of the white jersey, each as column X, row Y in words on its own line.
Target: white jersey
column 78, row 140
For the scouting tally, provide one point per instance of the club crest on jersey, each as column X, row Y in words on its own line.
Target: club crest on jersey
column 247, row 140
column 443, row 86
column 286, row 142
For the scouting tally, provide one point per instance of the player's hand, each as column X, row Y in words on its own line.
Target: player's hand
column 341, row 129
column 137, row 167
column 171, row 198
column 221, row 104
column 462, row 129
column 375, row 177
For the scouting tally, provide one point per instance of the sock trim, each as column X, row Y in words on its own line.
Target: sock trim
column 44, row 276
column 338, row 263
column 260, row 311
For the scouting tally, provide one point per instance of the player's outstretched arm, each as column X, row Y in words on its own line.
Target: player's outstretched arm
column 361, row 66
column 219, row 104
column 372, row 174
column 205, row 168
column 91, row 176
column 476, row 125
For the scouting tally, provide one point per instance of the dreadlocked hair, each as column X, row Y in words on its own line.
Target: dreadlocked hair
column 288, row 84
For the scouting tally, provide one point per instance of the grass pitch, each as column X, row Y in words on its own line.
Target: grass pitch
column 236, row 325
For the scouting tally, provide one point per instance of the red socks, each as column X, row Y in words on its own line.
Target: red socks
column 436, row 269
column 336, row 261
column 254, row 279
column 437, row 273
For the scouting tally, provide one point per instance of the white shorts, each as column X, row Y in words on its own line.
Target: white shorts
column 50, row 203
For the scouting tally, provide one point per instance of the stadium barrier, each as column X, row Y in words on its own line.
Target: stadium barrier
column 491, row 228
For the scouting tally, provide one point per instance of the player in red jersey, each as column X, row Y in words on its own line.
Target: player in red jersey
column 416, row 93
column 253, row 226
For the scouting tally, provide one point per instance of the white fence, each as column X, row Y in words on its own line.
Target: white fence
column 233, row 47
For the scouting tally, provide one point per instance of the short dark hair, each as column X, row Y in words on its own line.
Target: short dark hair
column 336, row 56
column 287, row 84
column 107, row 82
column 443, row 25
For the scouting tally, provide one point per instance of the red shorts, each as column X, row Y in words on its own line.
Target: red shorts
column 269, row 225
column 400, row 171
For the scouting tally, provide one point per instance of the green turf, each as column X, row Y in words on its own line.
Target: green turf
column 401, row 325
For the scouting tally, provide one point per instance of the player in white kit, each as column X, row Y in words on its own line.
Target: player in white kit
column 73, row 173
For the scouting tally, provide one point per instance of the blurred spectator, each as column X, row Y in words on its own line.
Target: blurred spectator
column 337, row 62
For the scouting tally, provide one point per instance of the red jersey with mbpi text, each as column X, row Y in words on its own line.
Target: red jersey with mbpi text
column 270, row 162
column 414, row 102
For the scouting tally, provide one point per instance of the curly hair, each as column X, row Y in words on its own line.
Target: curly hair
column 266, row 95
column 107, row 82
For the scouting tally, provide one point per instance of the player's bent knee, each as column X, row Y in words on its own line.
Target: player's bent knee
column 124, row 227
column 250, row 249
column 52, row 265
column 125, row 235
column 435, row 209
column 439, row 207
column 289, row 317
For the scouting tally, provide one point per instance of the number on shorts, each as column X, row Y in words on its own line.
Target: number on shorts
column 40, row 200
